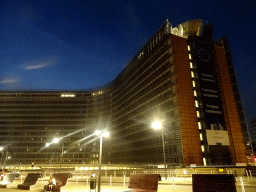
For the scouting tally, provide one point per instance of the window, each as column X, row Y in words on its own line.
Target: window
column 194, row 83
column 204, row 160
column 202, row 147
column 199, row 125
column 195, row 93
column 196, row 103
column 188, row 47
column 191, row 65
column 192, row 74
column 197, row 114
column 190, row 57
column 201, row 137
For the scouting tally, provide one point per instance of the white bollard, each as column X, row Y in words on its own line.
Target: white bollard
column 87, row 179
column 115, row 174
column 248, row 178
column 124, row 181
column 76, row 179
column 173, row 183
column 110, row 180
column 242, row 184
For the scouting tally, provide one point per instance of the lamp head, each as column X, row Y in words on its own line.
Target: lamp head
column 56, row 140
column 47, row 144
column 157, row 125
column 105, row 134
column 97, row 132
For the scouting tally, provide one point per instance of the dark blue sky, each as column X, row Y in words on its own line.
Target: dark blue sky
column 80, row 44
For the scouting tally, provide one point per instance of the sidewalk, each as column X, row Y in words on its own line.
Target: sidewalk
column 181, row 185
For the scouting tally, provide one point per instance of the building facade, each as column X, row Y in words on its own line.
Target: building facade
column 180, row 78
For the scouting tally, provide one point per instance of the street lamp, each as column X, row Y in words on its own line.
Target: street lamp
column 56, row 140
column 101, row 134
column 158, row 125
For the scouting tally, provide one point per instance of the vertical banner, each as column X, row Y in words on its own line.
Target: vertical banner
column 209, row 87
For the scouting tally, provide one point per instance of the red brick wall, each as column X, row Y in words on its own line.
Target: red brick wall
column 186, row 102
column 231, row 116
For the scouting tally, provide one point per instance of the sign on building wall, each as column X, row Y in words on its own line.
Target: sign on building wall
column 217, row 137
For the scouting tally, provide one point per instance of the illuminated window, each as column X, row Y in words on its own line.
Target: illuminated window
column 202, row 147
column 197, row 114
column 195, row 93
column 199, row 125
column 99, row 92
column 194, row 83
column 201, row 137
column 192, row 74
column 191, row 65
column 204, row 160
column 68, row 95
column 190, row 57
column 196, row 103
column 188, row 48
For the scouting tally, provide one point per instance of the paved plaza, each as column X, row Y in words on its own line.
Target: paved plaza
column 81, row 185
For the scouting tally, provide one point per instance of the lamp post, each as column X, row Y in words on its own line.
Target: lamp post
column 56, row 140
column 2, row 154
column 101, row 134
column 158, row 125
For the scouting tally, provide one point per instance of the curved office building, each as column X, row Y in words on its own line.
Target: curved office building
column 180, row 79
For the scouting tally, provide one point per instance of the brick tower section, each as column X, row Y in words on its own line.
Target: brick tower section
column 237, row 143
column 191, row 145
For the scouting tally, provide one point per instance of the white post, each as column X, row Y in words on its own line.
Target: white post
column 87, row 179
column 106, row 174
column 173, row 184
column 110, row 180
column 115, row 174
column 247, row 175
column 242, row 184
column 250, row 173
column 76, row 179
column 124, row 181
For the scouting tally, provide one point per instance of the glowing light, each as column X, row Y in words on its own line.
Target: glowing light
column 47, row 144
column 67, row 95
column 1, row 148
column 56, row 140
column 105, row 134
column 97, row 132
column 157, row 125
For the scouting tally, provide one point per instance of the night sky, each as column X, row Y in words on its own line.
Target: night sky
column 81, row 44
